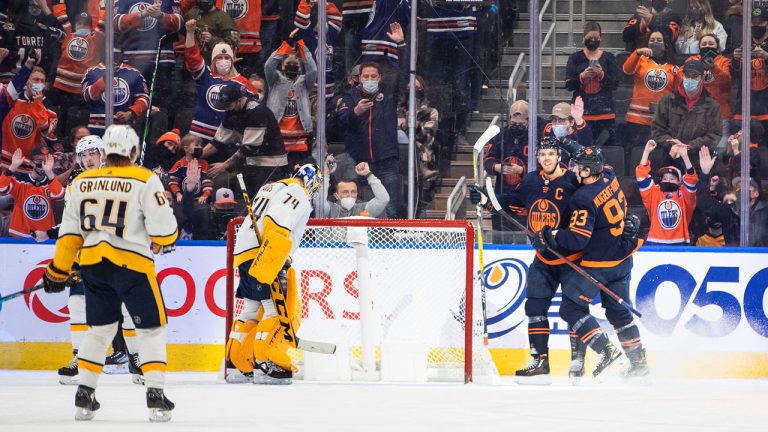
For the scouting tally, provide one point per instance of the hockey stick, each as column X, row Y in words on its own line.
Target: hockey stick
column 477, row 149
column 497, row 206
column 20, row 293
column 302, row 344
column 145, row 133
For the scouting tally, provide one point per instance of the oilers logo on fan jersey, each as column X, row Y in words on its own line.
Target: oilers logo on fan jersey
column 77, row 48
column 212, row 96
column 121, row 92
column 36, row 207
column 669, row 214
column 236, row 9
column 23, row 126
column 656, row 80
column 148, row 22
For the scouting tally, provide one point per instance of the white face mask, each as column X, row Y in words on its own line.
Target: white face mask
column 347, row 203
column 560, row 130
column 223, row 66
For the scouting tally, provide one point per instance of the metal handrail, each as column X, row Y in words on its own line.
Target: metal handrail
column 551, row 33
column 515, row 78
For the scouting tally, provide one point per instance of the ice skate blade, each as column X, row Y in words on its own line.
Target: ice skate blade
column 137, row 379
column 157, row 415
column 234, row 376
column 69, row 380
column 535, row 380
column 575, row 381
column 260, row 378
column 83, row 414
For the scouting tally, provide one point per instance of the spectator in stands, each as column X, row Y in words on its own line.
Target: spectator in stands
column 259, row 85
column 427, row 118
column 246, row 15
column 346, row 198
column 654, row 74
column 168, row 151
column 758, row 213
column 671, row 203
column 714, row 236
column 291, row 74
column 355, row 16
column 271, row 11
column 209, row 80
column 378, row 45
column 593, row 75
column 212, row 27
column 130, row 95
column 715, row 210
column 29, row 29
column 759, row 47
column 29, row 121
column 81, row 49
column 368, row 114
column 646, row 20
column 33, row 199
column 189, row 175
column 306, row 23
column 733, row 24
column 687, row 119
column 756, row 134
column 698, row 22
column 567, row 123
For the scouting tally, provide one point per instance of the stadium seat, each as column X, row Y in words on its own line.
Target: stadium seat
column 614, row 156
column 645, row 222
column 631, row 191
column 634, row 159
column 763, row 152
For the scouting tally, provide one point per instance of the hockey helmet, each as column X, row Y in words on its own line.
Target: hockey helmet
column 121, row 140
column 589, row 157
column 87, row 144
column 549, row 143
column 310, row 176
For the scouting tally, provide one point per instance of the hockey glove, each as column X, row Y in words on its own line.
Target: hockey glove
column 543, row 239
column 631, row 227
column 163, row 249
column 75, row 278
column 54, row 280
column 478, row 195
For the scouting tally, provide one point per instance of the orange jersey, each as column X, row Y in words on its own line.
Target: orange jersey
column 652, row 82
column 294, row 135
column 77, row 53
column 25, row 126
column 717, row 81
column 33, row 205
column 247, row 17
column 670, row 212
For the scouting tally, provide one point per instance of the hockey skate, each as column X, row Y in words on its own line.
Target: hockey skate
column 638, row 367
column 137, row 377
column 271, row 374
column 68, row 374
column 576, row 371
column 116, row 363
column 86, row 403
column 159, row 406
column 536, row 372
column 608, row 355
column 235, row 376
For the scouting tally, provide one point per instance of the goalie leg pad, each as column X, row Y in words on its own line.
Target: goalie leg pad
column 240, row 338
column 269, row 343
column 272, row 252
column 293, row 299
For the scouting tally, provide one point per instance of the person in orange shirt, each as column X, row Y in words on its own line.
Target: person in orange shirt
column 670, row 204
column 654, row 75
column 33, row 202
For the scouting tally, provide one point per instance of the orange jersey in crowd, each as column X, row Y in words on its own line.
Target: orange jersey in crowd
column 25, row 126
column 294, row 135
column 670, row 212
column 247, row 17
column 77, row 53
column 717, row 81
column 32, row 205
column 652, row 82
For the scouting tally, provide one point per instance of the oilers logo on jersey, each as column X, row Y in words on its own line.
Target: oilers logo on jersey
column 543, row 212
column 291, row 108
column 23, row 126
column 236, row 9
column 212, row 96
column 656, row 80
column 148, row 22
column 77, row 48
column 36, row 207
column 669, row 213
column 121, row 92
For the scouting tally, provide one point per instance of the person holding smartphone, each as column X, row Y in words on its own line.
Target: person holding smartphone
column 649, row 17
column 759, row 46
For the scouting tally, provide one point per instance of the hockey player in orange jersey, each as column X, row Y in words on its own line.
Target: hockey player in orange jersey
column 670, row 204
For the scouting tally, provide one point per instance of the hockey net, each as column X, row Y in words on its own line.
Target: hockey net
column 421, row 296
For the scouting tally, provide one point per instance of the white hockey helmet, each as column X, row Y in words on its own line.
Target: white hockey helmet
column 121, row 140
column 310, row 176
column 86, row 144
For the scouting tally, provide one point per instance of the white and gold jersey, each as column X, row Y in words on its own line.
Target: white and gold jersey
column 286, row 202
column 115, row 213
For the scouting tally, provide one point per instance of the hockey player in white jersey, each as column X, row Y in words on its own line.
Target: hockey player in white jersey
column 266, row 327
column 114, row 219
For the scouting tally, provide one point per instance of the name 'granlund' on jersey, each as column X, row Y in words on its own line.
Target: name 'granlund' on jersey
column 107, row 185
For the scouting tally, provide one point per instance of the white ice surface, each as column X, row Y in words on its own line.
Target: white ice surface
column 34, row 401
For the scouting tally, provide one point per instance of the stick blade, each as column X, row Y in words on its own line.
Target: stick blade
column 489, row 133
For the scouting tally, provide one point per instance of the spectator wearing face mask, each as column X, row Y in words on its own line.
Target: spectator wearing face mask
column 698, row 22
column 246, row 14
column 733, row 24
column 756, row 134
column 259, row 85
column 346, row 203
column 29, row 121
column 690, row 117
column 291, row 74
column 212, row 27
column 758, row 212
column 11, row 92
column 759, row 46
column 671, row 203
column 306, row 22
column 650, row 17
column 189, row 175
column 593, row 75
column 210, row 80
column 714, row 209
column 33, row 199
column 168, row 151
column 427, row 118
column 567, row 123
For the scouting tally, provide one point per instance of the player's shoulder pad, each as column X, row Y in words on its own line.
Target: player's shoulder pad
column 132, row 172
column 294, row 184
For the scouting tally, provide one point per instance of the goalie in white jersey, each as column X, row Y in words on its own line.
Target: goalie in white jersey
column 114, row 219
column 267, row 325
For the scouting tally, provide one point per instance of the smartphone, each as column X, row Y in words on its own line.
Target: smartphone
column 594, row 63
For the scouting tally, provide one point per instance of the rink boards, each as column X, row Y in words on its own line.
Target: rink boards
column 704, row 309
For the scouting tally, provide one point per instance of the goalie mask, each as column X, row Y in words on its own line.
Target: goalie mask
column 311, row 178
column 88, row 152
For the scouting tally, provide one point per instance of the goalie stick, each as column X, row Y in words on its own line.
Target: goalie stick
column 302, row 344
column 477, row 149
column 21, row 293
column 497, row 206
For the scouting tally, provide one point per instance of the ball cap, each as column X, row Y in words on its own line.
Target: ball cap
column 671, row 170
column 562, row 110
column 227, row 95
column 519, row 107
column 737, row 183
column 694, row 66
column 224, row 196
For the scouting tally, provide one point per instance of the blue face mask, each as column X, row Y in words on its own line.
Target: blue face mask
column 370, row 87
column 37, row 87
column 560, row 130
column 690, row 85
column 83, row 32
